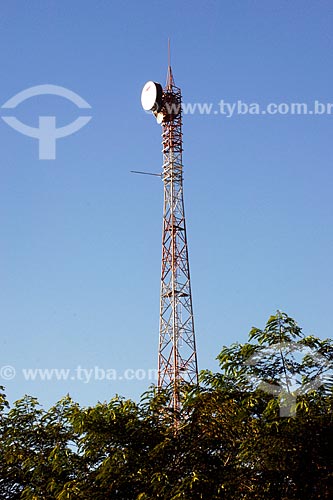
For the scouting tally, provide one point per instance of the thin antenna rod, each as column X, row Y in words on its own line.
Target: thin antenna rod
column 169, row 54
column 170, row 81
column 144, row 173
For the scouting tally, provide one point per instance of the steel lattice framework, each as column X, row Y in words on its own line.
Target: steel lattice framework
column 177, row 358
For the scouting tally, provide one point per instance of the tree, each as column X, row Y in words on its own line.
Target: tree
column 284, row 454
column 259, row 429
column 37, row 455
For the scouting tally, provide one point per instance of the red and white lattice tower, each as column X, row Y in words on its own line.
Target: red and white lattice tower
column 177, row 356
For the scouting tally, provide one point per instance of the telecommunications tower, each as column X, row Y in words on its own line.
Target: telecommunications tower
column 177, row 356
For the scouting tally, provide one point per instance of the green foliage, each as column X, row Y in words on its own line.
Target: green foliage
column 230, row 441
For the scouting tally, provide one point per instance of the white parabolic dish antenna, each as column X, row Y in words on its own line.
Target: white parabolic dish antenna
column 151, row 96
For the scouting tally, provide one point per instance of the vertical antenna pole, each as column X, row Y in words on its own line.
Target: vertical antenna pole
column 177, row 357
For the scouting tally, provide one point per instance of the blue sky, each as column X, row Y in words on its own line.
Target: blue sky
column 80, row 236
